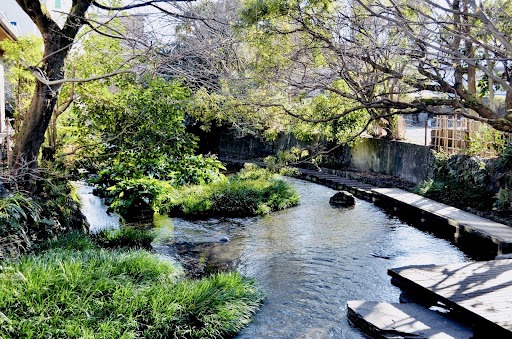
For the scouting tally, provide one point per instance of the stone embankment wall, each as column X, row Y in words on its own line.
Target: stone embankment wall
column 400, row 159
column 407, row 161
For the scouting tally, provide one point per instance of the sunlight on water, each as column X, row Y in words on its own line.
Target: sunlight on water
column 311, row 259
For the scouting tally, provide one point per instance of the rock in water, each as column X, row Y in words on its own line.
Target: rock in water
column 342, row 199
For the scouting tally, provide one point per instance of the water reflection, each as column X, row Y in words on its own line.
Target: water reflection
column 312, row 258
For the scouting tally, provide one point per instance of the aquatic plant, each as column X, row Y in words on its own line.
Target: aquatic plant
column 253, row 191
column 125, row 237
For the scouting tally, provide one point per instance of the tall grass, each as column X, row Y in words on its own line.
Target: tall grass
column 125, row 237
column 97, row 293
column 17, row 211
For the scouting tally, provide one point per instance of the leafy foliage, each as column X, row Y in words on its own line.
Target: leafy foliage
column 125, row 237
column 142, row 134
column 16, row 212
column 97, row 293
column 19, row 79
column 251, row 192
column 26, row 220
column 486, row 142
column 459, row 181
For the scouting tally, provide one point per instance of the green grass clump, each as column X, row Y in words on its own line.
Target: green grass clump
column 97, row 293
column 75, row 240
column 125, row 237
column 251, row 192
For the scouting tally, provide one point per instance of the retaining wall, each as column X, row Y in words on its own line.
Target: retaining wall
column 407, row 161
column 400, row 159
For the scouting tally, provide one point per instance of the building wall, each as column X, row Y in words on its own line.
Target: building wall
column 17, row 16
column 59, row 9
column 23, row 22
column 400, row 159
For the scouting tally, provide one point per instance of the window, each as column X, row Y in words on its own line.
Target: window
column 58, row 4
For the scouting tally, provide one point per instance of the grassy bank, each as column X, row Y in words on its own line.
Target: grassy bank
column 253, row 191
column 84, row 291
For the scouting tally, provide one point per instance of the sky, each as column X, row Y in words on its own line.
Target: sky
column 14, row 13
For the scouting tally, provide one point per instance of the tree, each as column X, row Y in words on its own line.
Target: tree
column 57, row 44
column 385, row 54
column 49, row 72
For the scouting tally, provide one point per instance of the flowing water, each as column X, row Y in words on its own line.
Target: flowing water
column 94, row 210
column 311, row 259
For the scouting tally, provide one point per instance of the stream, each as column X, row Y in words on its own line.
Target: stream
column 309, row 260
column 94, row 210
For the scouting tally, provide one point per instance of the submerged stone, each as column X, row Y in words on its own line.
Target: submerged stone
column 342, row 199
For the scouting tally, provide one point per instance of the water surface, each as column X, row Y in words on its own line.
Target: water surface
column 94, row 209
column 311, row 259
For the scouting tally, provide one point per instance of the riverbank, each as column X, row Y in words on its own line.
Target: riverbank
column 381, row 180
column 76, row 289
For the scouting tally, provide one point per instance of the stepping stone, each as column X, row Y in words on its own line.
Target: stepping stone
column 384, row 320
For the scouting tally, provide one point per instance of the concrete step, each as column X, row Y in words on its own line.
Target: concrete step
column 385, row 320
column 479, row 291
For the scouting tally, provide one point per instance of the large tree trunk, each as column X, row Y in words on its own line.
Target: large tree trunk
column 57, row 43
column 31, row 135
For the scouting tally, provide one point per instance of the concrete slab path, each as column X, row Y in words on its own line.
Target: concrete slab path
column 384, row 320
column 480, row 290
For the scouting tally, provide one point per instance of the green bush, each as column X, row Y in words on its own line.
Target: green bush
column 17, row 211
column 460, row 181
column 97, row 293
column 185, row 170
column 136, row 195
column 28, row 218
column 254, row 191
column 73, row 241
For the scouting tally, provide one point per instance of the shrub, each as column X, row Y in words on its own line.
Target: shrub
column 136, row 195
column 17, row 211
column 111, row 294
column 460, row 181
column 254, row 191
column 73, row 241
column 28, row 218
column 186, row 170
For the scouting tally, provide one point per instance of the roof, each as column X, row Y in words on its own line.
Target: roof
column 7, row 31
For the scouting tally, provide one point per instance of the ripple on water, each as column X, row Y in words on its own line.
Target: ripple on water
column 311, row 259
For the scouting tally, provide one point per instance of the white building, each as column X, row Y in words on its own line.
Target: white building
column 7, row 31
column 58, row 9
